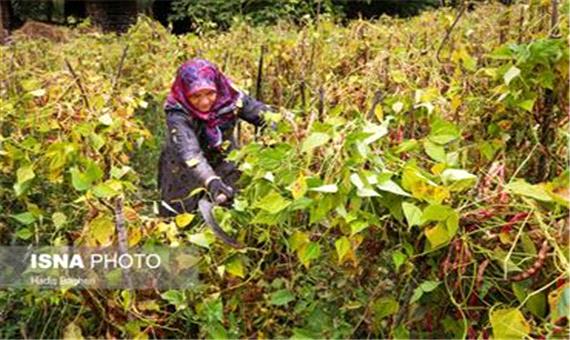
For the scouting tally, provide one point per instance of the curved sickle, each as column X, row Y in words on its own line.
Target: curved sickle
column 205, row 208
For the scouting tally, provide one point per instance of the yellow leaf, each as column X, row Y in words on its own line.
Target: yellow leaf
column 438, row 168
column 72, row 332
column 342, row 246
column 135, row 235
column 235, row 267
column 509, row 324
column 558, row 302
column 183, row 220
column 297, row 240
column 101, row 230
column 437, row 235
column 186, row 261
column 299, row 187
column 379, row 112
column 455, row 102
column 148, row 305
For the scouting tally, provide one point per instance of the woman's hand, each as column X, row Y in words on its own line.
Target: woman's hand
column 220, row 191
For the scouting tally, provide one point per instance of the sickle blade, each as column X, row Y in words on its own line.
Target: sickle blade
column 205, row 208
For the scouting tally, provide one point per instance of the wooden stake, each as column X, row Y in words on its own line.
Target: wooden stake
column 78, row 82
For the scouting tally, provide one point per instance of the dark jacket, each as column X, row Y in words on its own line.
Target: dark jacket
column 186, row 161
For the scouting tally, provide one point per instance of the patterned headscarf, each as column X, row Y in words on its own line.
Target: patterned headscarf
column 197, row 74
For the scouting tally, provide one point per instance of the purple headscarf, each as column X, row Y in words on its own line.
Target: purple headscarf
column 197, row 74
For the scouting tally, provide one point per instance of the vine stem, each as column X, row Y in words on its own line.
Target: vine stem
column 448, row 33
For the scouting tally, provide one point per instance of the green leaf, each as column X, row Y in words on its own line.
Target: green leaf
column 367, row 192
column 435, row 151
column 309, row 252
column 458, row 179
column 536, row 191
column 563, row 306
column 412, row 213
column 201, row 239
column 235, row 267
column 302, row 333
column 452, row 224
column 314, row 140
column 25, row 173
column 528, row 244
column 59, row 219
column 358, row 226
column 24, row 233
column 500, row 256
column 399, row 259
column 108, row 189
column 418, row 292
column 217, row 331
column 81, row 181
column 96, row 141
column 454, row 175
column 508, row 323
column 536, row 304
column 425, row 287
column 281, row 297
column 328, row 188
column 25, row 218
column 407, row 145
column 118, row 173
column 376, row 132
column 357, row 181
column 391, row 186
column 342, row 246
column 511, row 74
column 443, row 132
column 527, row 105
column 176, row 298
column 272, row 203
column 428, row 286
column 435, row 212
column 383, row 307
column 212, row 310
column 401, row 332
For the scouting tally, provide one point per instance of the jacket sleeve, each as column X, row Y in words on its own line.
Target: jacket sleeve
column 252, row 110
column 186, row 145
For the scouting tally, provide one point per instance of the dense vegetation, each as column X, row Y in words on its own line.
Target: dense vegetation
column 416, row 185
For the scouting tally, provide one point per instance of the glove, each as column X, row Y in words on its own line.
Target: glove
column 264, row 123
column 220, row 191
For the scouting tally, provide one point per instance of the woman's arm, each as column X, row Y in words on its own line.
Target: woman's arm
column 252, row 110
column 186, row 145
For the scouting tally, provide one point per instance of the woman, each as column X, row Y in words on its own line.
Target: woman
column 201, row 112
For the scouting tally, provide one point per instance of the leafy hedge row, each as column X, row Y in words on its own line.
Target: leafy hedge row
column 400, row 196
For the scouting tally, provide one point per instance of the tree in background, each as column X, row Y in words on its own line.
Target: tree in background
column 192, row 15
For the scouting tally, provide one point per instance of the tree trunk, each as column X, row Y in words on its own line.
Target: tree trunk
column 112, row 15
column 6, row 15
column 75, row 9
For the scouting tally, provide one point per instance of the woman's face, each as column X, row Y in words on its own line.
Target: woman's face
column 203, row 99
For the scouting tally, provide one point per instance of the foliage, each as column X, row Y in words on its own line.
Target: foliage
column 215, row 14
column 409, row 218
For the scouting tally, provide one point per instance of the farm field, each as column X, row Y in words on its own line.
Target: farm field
column 416, row 184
